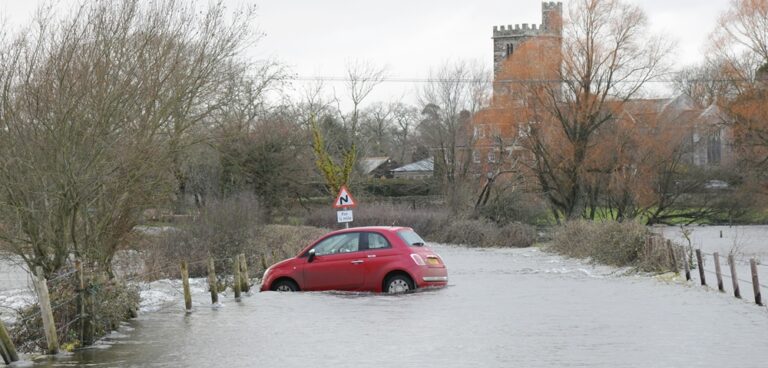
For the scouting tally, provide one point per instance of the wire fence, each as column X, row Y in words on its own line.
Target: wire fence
column 28, row 322
column 693, row 265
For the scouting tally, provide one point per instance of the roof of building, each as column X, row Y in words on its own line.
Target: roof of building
column 368, row 164
column 426, row 165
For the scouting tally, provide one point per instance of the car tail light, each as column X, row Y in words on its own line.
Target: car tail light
column 434, row 260
column 417, row 258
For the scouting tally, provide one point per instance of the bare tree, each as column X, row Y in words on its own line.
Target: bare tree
column 742, row 41
column 608, row 55
column 405, row 120
column 362, row 78
column 504, row 164
column 456, row 91
column 706, row 83
column 376, row 129
column 744, row 25
column 94, row 109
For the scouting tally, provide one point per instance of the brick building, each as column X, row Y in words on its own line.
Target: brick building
column 497, row 130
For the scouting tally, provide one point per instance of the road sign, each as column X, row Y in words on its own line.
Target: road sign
column 344, row 199
column 344, row 216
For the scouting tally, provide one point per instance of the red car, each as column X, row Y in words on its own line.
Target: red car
column 378, row 259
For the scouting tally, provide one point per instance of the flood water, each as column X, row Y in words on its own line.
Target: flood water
column 503, row 308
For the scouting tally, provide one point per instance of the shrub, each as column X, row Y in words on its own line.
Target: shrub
column 612, row 243
column 475, row 233
column 221, row 229
column 110, row 302
column 515, row 207
column 484, row 233
column 425, row 221
column 277, row 242
column 516, row 235
column 399, row 187
column 433, row 224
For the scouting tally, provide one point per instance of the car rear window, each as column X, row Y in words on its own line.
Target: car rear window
column 411, row 238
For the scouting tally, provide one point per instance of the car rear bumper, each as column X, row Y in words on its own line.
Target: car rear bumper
column 432, row 277
column 435, row 278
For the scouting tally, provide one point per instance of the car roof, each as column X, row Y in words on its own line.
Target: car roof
column 371, row 228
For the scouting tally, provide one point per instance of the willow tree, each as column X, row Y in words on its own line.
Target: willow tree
column 606, row 56
column 741, row 40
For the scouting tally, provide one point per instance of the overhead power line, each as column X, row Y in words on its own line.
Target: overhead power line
column 318, row 78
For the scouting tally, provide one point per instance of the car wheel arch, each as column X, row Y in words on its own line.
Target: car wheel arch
column 283, row 278
column 393, row 273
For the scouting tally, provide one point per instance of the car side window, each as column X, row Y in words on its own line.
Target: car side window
column 342, row 243
column 377, row 241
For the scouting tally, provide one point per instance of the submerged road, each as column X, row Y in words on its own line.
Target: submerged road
column 503, row 308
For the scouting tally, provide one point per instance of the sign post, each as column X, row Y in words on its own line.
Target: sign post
column 344, row 202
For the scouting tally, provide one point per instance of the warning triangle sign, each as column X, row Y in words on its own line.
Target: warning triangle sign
column 344, row 199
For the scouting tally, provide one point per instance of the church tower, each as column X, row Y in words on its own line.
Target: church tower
column 507, row 39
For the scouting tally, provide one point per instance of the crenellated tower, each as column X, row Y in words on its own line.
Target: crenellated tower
column 507, row 38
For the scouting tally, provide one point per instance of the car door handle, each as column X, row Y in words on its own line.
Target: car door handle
column 357, row 261
column 371, row 256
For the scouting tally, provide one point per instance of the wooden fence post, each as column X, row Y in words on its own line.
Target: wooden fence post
column 46, row 312
column 86, row 329
column 7, row 350
column 3, row 353
column 185, row 283
column 700, row 265
column 671, row 251
column 718, row 272
column 755, row 282
column 734, row 278
column 686, row 265
column 245, row 283
column 236, row 277
column 212, row 282
column 646, row 247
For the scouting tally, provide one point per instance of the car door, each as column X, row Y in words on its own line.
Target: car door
column 379, row 256
column 337, row 265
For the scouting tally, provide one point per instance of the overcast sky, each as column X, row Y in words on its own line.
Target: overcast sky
column 318, row 37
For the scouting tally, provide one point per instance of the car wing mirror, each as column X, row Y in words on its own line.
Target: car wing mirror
column 311, row 256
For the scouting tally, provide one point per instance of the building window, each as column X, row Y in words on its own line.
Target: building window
column 713, row 148
column 510, row 48
column 491, row 156
column 524, row 130
column 476, row 157
column 495, row 131
column 479, row 131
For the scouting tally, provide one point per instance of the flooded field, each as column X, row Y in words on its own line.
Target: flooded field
column 503, row 308
column 747, row 241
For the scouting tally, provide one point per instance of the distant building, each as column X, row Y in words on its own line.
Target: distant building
column 377, row 167
column 495, row 130
column 707, row 140
column 506, row 39
column 423, row 169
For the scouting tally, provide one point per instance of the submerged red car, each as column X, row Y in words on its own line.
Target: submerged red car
column 378, row 259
